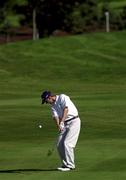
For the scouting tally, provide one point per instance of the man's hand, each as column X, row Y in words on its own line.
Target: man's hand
column 61, row 126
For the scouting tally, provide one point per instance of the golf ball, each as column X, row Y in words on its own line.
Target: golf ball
column 40, row 126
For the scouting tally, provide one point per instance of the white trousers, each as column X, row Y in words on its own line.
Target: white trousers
column 67, row 141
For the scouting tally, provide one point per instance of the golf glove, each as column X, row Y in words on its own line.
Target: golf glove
column 61, row 126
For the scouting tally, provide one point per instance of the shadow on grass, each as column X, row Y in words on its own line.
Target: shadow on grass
column 25, row 170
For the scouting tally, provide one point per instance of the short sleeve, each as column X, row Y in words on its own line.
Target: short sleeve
column 64, row 100
column 54, row 113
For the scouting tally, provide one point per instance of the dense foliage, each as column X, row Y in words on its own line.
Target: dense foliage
column 65, row 15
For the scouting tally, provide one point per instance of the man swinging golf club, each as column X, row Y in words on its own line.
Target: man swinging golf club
column 67, row 120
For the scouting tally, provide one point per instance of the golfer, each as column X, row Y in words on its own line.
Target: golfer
column 68, row 123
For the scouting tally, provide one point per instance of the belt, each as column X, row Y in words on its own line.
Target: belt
column 71, row 118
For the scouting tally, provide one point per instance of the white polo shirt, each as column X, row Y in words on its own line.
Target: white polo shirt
column 61, row 102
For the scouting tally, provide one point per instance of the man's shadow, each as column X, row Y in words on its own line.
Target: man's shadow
column 25, row 170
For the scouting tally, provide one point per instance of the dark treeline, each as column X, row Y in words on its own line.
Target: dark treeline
column 70, row 16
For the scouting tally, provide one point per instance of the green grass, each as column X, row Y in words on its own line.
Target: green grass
column 92, row 70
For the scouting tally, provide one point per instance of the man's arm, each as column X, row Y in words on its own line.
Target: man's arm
column 65, row 113
column 60, row 122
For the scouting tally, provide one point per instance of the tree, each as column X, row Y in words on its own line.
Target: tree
column 10, row 19
column 46, row 16
column 84, row 17
column 68, row 15
column 123, row 17
column 50, row 15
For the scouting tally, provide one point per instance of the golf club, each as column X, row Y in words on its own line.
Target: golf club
column 50, row 151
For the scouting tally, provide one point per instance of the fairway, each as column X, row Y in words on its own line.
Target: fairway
column 91, row 69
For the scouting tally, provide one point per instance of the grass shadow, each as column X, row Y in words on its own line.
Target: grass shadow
column 25, row 170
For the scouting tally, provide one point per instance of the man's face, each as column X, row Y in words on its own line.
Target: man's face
column 49, row 100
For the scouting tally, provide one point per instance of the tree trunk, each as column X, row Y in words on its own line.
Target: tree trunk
column 35, row 33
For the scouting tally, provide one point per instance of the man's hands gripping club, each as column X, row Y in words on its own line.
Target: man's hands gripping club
column 61, row 126
column 60, row 122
